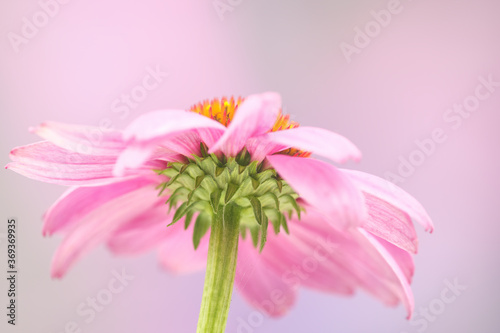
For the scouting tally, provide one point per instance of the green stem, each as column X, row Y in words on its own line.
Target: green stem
column 221, row 268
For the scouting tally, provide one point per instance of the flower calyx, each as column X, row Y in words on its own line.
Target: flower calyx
column 245, row 190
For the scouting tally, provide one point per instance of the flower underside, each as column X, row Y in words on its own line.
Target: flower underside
column 204, row 184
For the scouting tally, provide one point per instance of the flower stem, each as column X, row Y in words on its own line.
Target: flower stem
column 221, row 268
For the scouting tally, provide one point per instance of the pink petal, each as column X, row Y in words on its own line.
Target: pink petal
column 209, row 136
column 260, row 285
column 175, row 244
column 260, row 147
column 131, row 158
column 138, row 156
column 307, row 259
column 364, row 261
column 403, row 258
column 144, row 233
column 47, row 162
column 186, row 143
column 97, row 225
column 255, row 116
column 82, row 139
column 405, row 292
column 392, row 194
column 77, row 202
column 324, row 187
column 180, row 132
column 390, row 223
column 157, row 125
column 177, row 253
column 317, row 140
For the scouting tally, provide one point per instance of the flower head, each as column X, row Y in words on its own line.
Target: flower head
column 301, row 221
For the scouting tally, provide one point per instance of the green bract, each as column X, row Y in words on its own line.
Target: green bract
column 204, row 184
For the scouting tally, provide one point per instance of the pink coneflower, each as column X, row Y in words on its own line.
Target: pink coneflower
column 234, row 182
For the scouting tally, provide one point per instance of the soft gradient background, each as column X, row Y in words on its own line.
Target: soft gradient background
column 395, row 91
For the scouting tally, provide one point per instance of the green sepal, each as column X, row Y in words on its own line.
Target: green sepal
column 179, row 213
column 215, row 200
column 275, row 217
column 169, row 172
column 255, row 183
column 284, row 224
column 263, row 234
column 178, row 192
column 270, row 197
column 201, row 227
column 288, row 198
column 198, row 181
column 280, row 185
column 218, row 171
column 254, row 232
column 184, row 168
column 243, row 158
column 243, row 232
column 204, row 149
column 230, row 191
column 173, row 179
column 241, row 168
column 189, row 218
column 190, row 197
column 257, row 209
column 163, row 187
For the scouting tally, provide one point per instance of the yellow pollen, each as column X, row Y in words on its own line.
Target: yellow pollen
column 223, row 111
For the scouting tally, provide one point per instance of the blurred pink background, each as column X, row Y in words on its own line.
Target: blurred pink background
column 391, row 90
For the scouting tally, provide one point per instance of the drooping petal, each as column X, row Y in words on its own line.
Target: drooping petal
column 318, row 141
column 97, row 225
column 255, row 116
column 403, row 258
column 82, row 139
column 391, row 193
column 47, row 162
column 323, row 186
column 390, row 223
column 318, row 256
column 157, row 125
column 405, row 292
column 77, row 202
column 303, row 258
column 260, row 285
column 364, row 260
